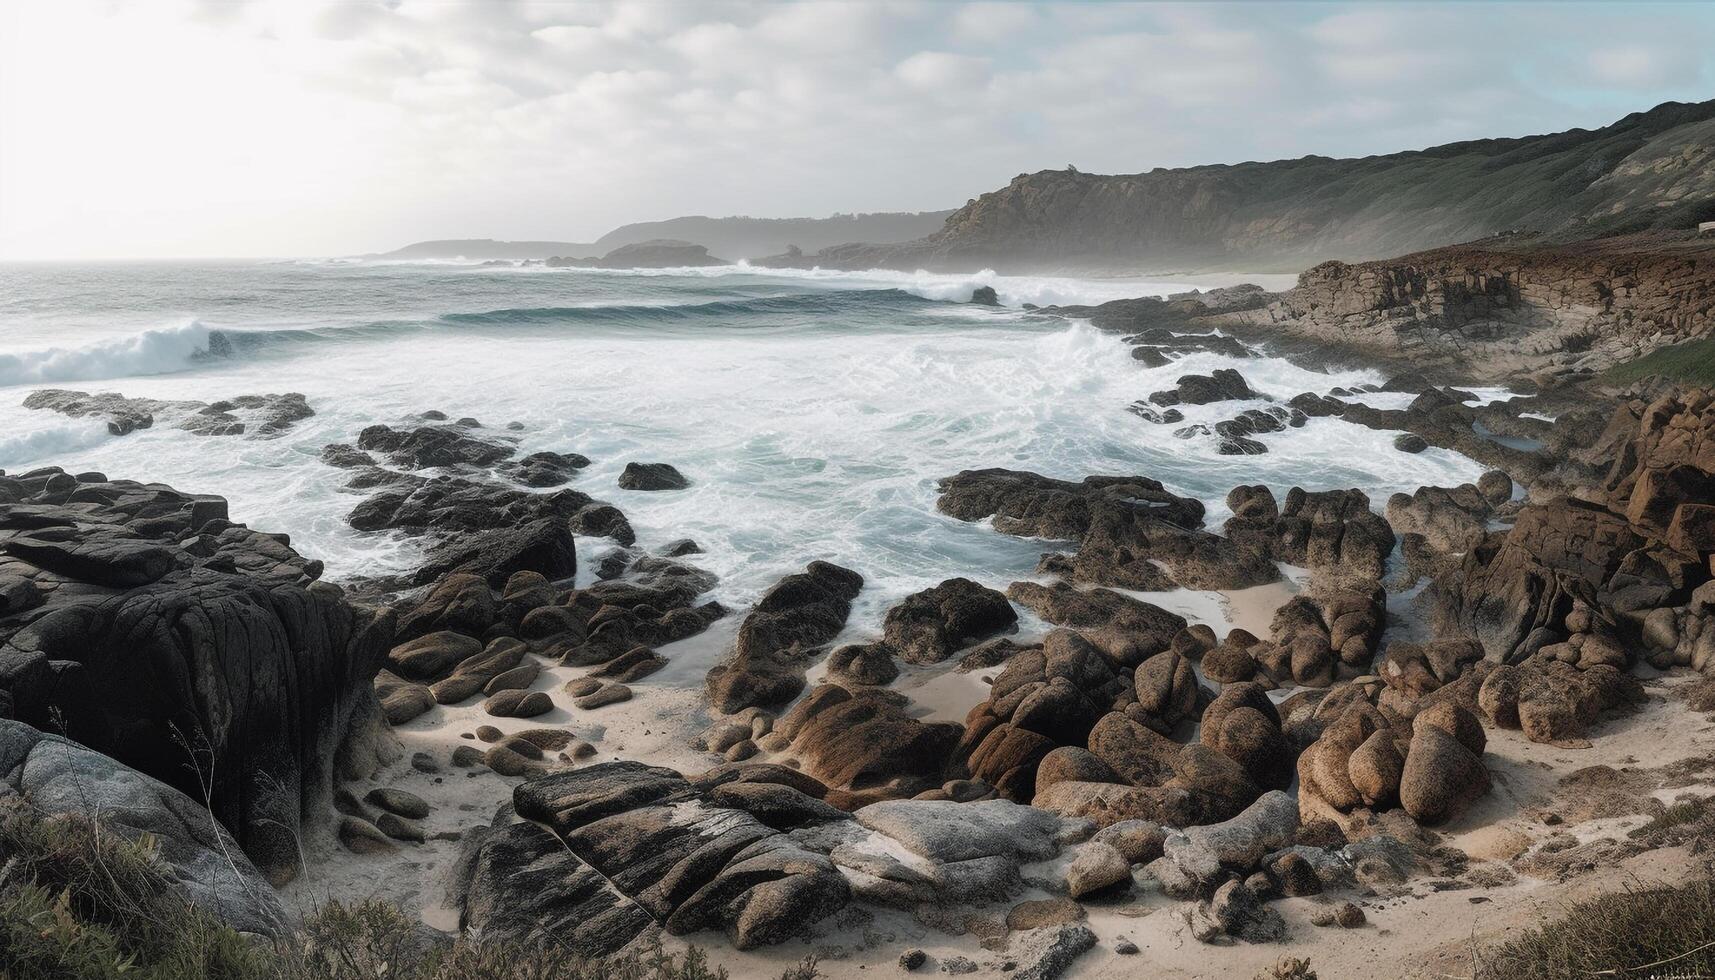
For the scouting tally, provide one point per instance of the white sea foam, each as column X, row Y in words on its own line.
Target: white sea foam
column 147, row 352
column 49, row 441
column 806, row 435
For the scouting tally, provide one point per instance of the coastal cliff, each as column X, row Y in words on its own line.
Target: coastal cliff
column 1649, row 170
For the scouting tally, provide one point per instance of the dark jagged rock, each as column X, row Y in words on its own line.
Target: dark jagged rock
column 1127, row 529
column 930, row 626
column 545, row 469
column 520, row 884
column 259, row 416
column 442, row 445
column 652, row 476
column 799, row 613
column 1223, row 385
column 191, row 649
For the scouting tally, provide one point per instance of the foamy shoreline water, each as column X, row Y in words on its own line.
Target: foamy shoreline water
column 813, row 413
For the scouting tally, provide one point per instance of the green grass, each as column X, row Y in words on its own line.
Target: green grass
column 1657, row 932
column 1692, row 362
column 80, row 903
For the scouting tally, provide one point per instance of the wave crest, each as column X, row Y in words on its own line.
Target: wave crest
column 150, row 352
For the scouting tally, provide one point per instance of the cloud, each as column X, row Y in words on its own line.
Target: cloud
column 309, row 127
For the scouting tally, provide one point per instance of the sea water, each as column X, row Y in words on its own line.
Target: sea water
column 813, row 412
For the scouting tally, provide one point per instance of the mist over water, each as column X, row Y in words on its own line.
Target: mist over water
column 813, row 412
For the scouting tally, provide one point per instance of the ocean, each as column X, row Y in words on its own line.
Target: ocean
column 812, row 412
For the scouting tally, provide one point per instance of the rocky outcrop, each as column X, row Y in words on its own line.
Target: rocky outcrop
column 1431, row 767
column 471, row 510
column 628, row 846
column 864, row 745
column 256, row 416
column 146, row 625
column 1131, row 532
column 1502, row 309
column 777, row 640
column 54, row 777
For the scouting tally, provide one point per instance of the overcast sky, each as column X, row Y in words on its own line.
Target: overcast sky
column 288, row 127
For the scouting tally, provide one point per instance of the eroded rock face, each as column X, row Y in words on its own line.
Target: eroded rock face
column 1514, row 596
column 1332, row 530
column 688, row 862
column 189, row 648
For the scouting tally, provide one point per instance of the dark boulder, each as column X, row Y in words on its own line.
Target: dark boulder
column 652, row 476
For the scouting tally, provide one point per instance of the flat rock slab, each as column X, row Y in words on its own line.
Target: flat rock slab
column 944, row 831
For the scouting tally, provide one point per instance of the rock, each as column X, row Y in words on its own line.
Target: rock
column 1096, row 866
column 866, row 744
column 1409, row 442
column 400, row 828
column 398, row 801
column 1267, row 825
column 519, row 678
column 542, row 545
column 1125, row 947
column 520, row 884
column 929, row 626
column 459, row 603
column 765, row 667
column 49, row 777
column 1235, row 911
column 1441, row 776
column 985, row 296
column 400, row 699
column 433, row 656
column 362, row 837
column 545, row 469
column 652, row 476
column 1138, row 841
column 946, row 832
column 869, row 664
column 1296, row 875
column 1044, row 956
column 1224, row 384
column 519, row 704
column 1044, row 913
column 1496, row 487
column 912, row 959
column 466, row 756
column 1349, row 916
column 779, row 806
column 605, row 695
column 1070, row 763
column 157, row 632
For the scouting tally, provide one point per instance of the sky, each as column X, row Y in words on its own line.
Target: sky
column 170, row 128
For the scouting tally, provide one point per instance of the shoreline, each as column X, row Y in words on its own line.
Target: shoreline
column 1334, row 607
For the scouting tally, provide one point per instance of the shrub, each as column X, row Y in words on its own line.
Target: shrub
column 1636, row 933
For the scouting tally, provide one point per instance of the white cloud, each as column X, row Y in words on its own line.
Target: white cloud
column 291, row 127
